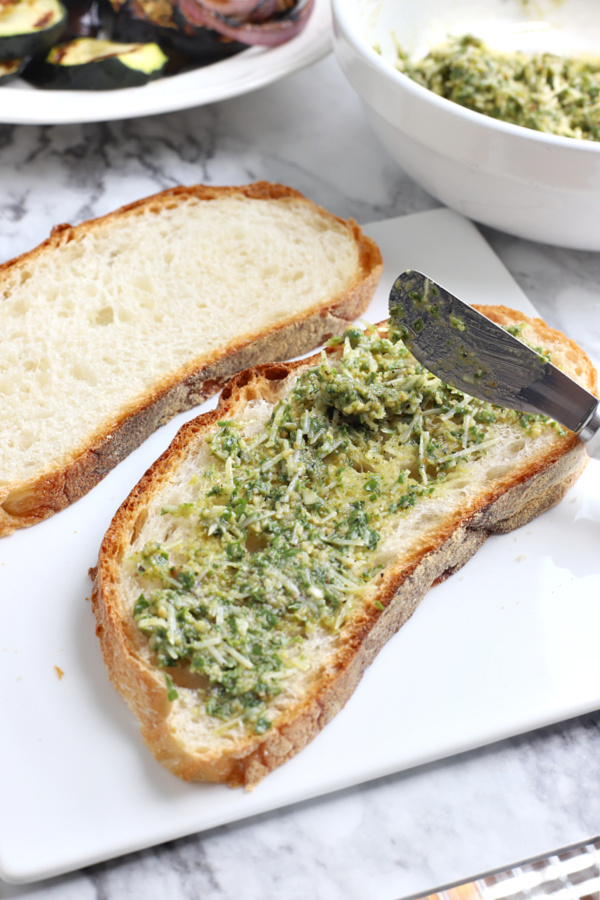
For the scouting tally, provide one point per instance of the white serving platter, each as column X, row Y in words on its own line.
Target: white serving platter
column 504, row 646
column 22, row 104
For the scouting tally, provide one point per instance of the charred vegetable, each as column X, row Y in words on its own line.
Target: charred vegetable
column 155, row 20
column 108, row 44
column 90, row 64
column 11, row 69
column 30, row 26
column 89, row 18
column 266, row 24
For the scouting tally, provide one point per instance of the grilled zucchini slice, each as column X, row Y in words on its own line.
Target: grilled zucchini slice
column 30, row 26
column 11, row 69
column 91, row 64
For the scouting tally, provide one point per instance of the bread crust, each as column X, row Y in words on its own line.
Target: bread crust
column 25, row 504
column 510, row 503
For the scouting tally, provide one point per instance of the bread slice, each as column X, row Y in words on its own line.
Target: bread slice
column 361, row 531
column 110, row 328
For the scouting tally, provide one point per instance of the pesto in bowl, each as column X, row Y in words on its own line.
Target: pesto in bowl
column 543, row 91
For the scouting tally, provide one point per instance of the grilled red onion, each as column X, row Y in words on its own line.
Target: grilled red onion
column 239, row 9
column 264, row 10
column 268, row 33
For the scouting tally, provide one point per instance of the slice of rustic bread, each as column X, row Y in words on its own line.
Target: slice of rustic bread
column 267, row 556
column 110, row 328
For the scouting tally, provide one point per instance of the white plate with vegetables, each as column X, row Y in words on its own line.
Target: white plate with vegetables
column 23, row 103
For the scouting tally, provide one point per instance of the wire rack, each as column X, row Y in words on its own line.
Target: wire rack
column 572, row 874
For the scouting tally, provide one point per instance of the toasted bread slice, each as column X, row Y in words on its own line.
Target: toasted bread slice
column 262, row 562
column 110, row 328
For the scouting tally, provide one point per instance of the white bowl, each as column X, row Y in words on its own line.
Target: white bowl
column 534, row 185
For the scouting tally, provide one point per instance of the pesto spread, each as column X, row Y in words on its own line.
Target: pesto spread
column 282, row 538
column 540, row 91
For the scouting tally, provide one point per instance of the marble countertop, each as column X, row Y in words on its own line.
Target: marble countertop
column 406, row 834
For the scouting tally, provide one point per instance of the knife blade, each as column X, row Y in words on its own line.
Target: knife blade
column 469, row 352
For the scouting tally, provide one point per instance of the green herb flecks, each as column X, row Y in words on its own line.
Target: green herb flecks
column 283, row 538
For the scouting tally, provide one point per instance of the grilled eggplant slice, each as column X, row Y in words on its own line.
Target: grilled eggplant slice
column 89, row 18
column 90, row 64
column 156, row 20
column 30, row 26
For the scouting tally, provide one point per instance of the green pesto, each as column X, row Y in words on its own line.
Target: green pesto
column 283, row 537
column 541, row 91
column 516, row 330
column 457, row 322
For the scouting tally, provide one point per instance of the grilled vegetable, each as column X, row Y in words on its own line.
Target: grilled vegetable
column 90, row 64
column 89, row 18
column 155, row 20
column 109, row 44
column 11, row 69
column 253, row 29
column 30, row 26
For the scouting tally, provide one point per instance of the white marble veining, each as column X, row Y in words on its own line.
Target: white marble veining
column 406, row 834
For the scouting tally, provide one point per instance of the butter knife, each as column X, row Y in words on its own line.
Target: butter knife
column 469, row 352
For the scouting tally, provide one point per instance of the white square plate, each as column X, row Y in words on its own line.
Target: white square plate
column 483, row 658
